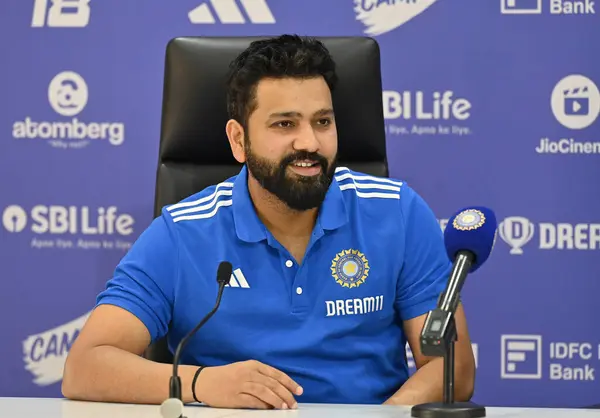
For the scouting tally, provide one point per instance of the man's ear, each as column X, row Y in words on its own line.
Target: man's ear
column 236, row 136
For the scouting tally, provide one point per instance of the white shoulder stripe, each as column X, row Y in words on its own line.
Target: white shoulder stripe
column 348, row 175
column 369, row 195
column 371, row 186
column 358, row 182
column 220, row 203
column 220, row 186
column 207, row 206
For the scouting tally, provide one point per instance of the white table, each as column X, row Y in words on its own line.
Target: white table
column 62, row 408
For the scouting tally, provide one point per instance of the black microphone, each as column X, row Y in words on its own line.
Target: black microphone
column 173, row 407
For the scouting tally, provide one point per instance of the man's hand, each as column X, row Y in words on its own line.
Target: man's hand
column 247, row 384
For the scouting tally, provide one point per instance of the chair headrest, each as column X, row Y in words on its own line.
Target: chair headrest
column 194, row 102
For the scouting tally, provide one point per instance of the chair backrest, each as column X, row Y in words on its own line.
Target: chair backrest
column 194, row 150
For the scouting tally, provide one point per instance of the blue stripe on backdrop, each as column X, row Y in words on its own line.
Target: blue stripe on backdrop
column 487, row 102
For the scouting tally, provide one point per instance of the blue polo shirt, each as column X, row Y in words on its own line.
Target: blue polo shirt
column 333, row 322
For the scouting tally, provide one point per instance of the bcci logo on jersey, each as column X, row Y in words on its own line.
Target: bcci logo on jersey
column 68, row 96
column 381, row 16
column 350, row 268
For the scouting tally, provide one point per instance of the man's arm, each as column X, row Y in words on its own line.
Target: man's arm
column 105, row 363
column 427, row 384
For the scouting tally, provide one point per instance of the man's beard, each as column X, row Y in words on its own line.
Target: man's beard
column 296, row 191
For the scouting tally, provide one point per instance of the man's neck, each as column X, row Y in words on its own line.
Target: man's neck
column 277, row 216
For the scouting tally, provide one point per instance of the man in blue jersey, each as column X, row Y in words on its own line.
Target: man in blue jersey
column 334, row 270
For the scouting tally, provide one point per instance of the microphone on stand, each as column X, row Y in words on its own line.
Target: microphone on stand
column 173, row 407
column 469, row 238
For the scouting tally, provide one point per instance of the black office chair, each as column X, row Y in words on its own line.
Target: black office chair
column 194, row 150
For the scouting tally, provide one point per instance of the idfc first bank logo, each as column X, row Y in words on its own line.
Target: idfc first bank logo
column 71, row 227
column 68, row 95
column 381, row 16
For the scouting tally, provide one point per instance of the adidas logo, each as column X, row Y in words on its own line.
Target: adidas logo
column 228, row 11
column 238, row 280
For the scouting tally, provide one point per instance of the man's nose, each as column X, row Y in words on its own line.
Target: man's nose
column 307, row 140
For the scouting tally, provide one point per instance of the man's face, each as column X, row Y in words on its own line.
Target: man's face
column 291, row 141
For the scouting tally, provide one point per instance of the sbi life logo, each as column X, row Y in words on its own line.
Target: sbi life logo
column 68, row 96
column 56, row 219
column 438, row 105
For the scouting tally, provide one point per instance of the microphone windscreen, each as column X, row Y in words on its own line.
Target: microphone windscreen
column 171, row 408
column 471, row 229
column 224, row 272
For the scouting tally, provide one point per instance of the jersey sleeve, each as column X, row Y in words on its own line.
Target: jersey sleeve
column 426, row 267
column 143, row 281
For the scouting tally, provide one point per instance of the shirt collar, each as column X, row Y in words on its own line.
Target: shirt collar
column 249, row 227
column 334, row 213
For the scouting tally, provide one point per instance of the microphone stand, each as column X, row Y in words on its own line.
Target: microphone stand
column 448, row 408
column 173, row 406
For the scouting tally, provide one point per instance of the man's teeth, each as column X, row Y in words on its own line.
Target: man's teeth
column 304, row 164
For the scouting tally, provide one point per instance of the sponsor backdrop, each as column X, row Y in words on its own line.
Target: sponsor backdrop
column 491, row 102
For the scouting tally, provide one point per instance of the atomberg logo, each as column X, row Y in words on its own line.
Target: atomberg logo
column 70, row 227
column 68, row 96
column 45, row 353
column 381, row 16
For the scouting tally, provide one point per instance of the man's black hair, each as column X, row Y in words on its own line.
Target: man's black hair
column 282, row 56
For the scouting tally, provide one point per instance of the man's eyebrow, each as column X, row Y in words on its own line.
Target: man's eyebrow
column 294, row 114
column 324, row 112
column 290, row 114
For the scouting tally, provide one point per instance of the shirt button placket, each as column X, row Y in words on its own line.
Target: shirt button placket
column 298, row 298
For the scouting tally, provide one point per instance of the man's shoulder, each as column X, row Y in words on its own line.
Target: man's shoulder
column 207, row 204
column 371, row 190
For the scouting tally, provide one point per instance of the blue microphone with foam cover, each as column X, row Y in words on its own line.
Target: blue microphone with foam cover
column 469, row 238
column 471, row 230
